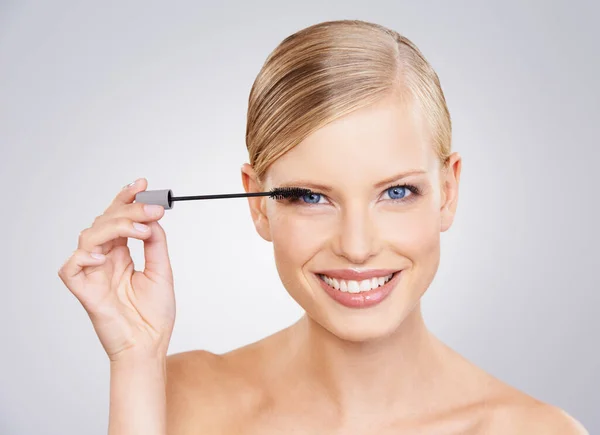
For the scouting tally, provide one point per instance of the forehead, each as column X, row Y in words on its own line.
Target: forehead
column 364, row 146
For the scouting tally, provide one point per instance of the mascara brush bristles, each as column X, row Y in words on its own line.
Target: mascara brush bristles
column 277, row 193
column 289, row 192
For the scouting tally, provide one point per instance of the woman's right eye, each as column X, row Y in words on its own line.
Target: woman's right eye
column 312, row 198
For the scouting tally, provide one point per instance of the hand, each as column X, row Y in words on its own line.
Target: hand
column 132, row 312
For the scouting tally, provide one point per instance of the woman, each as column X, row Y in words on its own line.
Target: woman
column 354, row 112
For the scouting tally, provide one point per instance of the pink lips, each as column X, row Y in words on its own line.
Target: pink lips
column 362, row 299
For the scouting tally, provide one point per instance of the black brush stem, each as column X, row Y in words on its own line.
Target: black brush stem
column 226, row 195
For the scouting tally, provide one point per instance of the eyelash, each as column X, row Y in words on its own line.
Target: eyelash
column 415, row 192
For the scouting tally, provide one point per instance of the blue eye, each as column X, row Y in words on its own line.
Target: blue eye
column 400, row 193
column 397, row 192
column 311, row 198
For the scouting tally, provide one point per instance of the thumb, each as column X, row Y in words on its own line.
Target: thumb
column 156, row 255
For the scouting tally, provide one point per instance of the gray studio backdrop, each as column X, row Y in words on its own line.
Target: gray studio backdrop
column 93, row 96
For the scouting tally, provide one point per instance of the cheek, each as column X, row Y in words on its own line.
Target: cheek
column 296, row 237
column 414, row 233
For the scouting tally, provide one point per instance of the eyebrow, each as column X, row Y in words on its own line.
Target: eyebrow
column 326, row 189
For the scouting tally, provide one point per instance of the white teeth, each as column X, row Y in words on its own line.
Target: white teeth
column 365, row 285
column 352, row 286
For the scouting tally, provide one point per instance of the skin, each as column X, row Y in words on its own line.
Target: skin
column 342, row 370
column 338, row 370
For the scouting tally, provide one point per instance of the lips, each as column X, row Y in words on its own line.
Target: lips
column 360, row 299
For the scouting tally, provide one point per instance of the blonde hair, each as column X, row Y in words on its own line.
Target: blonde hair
column 330, row 69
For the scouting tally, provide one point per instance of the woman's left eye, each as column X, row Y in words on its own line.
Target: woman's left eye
column 398, row 192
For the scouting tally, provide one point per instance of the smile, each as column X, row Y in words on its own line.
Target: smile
column 355, row 289
column 352, row 286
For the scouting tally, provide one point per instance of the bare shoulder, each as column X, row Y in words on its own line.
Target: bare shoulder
column 498, row 408
column 189, row 373
column 519, row 413
column 208, row 393
column 188, row 370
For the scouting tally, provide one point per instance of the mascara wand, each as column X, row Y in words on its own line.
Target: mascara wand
column 166, row 199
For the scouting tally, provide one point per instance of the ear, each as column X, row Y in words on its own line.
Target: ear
column 449, row 189
column 256, row 203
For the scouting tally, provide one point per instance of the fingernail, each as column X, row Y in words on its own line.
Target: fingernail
column 140, row 227
column 97, row 256
column 130, row 184
column 151, row 209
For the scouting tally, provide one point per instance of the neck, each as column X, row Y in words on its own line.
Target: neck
column 399, row 370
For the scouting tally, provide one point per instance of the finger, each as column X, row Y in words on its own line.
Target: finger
column 156, row 254
column 127, row 194
column 138, row 212
column 71, row 273
column 93, row 239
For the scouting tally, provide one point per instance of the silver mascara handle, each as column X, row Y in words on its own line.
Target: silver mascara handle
column 156, row 197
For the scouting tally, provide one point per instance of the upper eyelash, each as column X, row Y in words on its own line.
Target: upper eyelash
column 414, row 189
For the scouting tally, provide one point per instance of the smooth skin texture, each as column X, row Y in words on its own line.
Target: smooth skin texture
column 337, row 370
column 341, row 370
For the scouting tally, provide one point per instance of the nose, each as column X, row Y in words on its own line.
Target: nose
column 357, row 239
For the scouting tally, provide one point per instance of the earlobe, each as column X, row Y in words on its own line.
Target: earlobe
column 256, row 204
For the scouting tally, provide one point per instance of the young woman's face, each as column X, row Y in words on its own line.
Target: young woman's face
column 380, row 203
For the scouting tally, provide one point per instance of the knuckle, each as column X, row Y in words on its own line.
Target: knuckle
column 65, row 264
column 124, row 223
column 62, row 272
column 99, row 219
column 83, row 234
